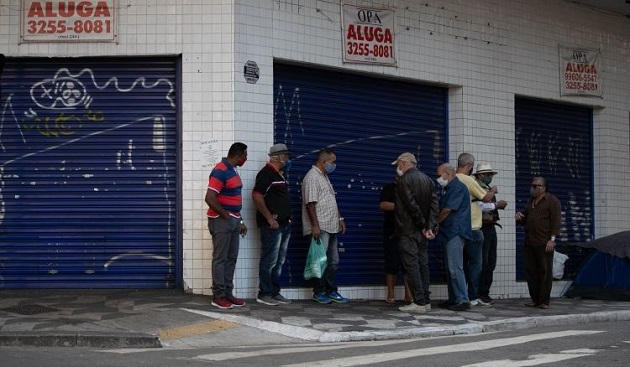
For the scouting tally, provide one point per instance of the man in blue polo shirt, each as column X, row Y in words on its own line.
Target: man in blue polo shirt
column 225, row 202
column 455, row 229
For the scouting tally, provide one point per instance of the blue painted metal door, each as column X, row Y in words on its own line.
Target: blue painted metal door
column 368, row 121
column 555, row 141
column 88, row 173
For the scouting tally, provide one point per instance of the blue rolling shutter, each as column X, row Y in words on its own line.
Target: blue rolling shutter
column 88, row 167
column 555, row 141
column 368, row 121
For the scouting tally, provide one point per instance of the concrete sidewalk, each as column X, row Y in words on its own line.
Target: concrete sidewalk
column 166, row 318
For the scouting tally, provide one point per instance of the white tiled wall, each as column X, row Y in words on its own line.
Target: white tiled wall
column 486, row 51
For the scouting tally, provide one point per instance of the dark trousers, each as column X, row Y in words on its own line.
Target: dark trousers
column 225, row 244
column 415, row 259
column 328, row 282
column 538, row 273
column 488, row 258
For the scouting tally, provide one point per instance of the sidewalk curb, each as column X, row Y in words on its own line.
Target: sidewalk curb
column 556, row 320
column 140, row 340
column 518, row 323
column 78, row 339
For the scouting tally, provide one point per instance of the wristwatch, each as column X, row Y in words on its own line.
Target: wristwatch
column 553, row 238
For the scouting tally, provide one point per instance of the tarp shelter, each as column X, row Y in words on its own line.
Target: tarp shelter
column 606, row 274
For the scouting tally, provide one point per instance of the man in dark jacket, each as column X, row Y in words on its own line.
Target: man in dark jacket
column 541, row 218
column 416, row 211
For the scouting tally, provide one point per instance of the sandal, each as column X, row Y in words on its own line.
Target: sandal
column 390, row 301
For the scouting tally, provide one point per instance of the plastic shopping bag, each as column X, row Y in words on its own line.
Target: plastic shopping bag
column 315, row 260
column 558, row 264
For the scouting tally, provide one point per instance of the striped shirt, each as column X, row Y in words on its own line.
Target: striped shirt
column 226, row 182
column 316, row 188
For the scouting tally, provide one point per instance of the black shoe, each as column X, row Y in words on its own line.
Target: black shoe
column 446, row 304
column 460, row 306
column 487, row 299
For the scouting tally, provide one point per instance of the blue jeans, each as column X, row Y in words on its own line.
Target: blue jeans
column 328, row 282
column 274, row 243
column 454, row 253
column 473, row 250
column 415, row 258
column 225, row 243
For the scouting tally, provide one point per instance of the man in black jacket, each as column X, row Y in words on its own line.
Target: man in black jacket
column 416, row 212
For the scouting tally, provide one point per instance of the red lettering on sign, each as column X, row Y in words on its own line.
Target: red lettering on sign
column 580, row 68
column 68, row 9
column 369, row 34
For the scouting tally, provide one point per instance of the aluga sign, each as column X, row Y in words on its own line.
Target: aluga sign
column 368, row 35
column 68, row 21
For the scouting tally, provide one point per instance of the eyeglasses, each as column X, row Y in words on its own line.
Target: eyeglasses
column 537, row 186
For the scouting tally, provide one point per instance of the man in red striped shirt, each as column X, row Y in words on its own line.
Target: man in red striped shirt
column 225, row 202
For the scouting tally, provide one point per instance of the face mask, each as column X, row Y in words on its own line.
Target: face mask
column 533, row 191
column 330, row 167
column 399, row 172
column 287, row 165
column 486, row 180
column 442, row 181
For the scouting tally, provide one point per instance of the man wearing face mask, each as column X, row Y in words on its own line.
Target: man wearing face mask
column 473, row 247
column 225, row 223
column 322, row 220
column 490, row 219
column 454, row 222
column 273, row 204
column 541, row 218
column 415, row 212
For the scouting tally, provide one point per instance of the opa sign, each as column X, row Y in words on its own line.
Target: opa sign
column 368, row 35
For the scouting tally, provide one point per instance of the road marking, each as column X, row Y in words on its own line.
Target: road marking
column 537, row 359
column 465, row 347
column 196, row 329
column 225, row 356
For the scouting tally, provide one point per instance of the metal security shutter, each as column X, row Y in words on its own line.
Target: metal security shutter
column 555, row 141
column 88, row 167
column 368, row 121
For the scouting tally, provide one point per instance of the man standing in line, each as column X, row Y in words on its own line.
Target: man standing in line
column 454, row 222
column 541, row 218
column 490, row 219
column 225, row 202
column 322, row 220
column 473, row 247
column 273, row 217
column 415, row 212
column 392, row 262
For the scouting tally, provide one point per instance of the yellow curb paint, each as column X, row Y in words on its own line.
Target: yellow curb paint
column 195, row 329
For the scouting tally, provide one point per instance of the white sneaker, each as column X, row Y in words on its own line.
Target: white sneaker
column 481, row 303
column 415, row 308
column 474, row 302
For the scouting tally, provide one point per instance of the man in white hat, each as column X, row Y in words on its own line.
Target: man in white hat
column 273, row 204
column 415, row 210
column 490, row 219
